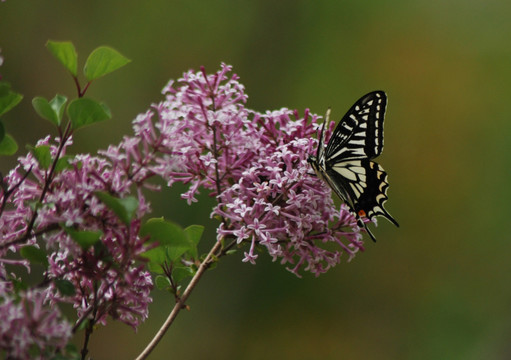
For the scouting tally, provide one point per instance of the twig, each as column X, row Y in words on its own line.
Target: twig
column 180, row 304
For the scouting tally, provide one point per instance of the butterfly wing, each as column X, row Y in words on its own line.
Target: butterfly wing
column 360, row 132
column 363, row 186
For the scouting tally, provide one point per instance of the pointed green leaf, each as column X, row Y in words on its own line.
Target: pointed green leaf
column 194, row 234
column 102, row 61
column 169, row 234
column 65, row 52
column 124, row 208
column 179, row 247
column 161, row 231
column 65, row 287
column 155, row 267
column 44, row 110
column 84, row 238
column 83, row 325
column 57, row 104
column 18, row 284
column 85, row 111
column 162, row 282
column 156, row 257
column 42, row 155
column 179, row 273
column 52, row 110
column 8, row 98
column 34, row 254
column 63, row 163
column 8, row 146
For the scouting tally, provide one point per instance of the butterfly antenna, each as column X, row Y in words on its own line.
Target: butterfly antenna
column 321, row 147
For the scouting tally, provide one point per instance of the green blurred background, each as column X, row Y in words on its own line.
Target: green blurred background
column 436, row 288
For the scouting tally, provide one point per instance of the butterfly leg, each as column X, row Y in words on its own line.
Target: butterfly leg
column 361, row 224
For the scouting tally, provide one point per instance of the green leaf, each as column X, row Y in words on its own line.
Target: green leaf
column 102, row 61
column 124, row 208
column 182, row 272
column 63, row 163
column 169, row 234
column 155, row 267
column 34, row 254
column 156, row 257
column 83, row 325
column 57, row 104
column 8, row 146
column 42, row 155
column 194, row 234
column 8, row 98
column 52, row 110
column 65, row 287
column 162, row 282
column 161, row 230
column 18, row 284
column 65, row 52
column 44, row 110
column 71, row 351
column 85, row 111
column 84, row 238
column 177, row 249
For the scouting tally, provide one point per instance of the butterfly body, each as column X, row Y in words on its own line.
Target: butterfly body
column 346, row 165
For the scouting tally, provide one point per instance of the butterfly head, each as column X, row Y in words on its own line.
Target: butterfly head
column 313, row 161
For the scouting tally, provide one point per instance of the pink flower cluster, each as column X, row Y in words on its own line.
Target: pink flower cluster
column 254, row 164
column 107, row 278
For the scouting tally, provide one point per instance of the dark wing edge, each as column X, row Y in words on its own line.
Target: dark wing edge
column 374, row 141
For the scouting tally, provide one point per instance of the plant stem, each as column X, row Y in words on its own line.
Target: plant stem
column 180, row 304
column 49, row 179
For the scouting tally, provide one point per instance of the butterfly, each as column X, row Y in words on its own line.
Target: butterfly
column 346, row 165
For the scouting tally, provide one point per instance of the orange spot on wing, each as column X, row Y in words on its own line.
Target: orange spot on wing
column 361, row 213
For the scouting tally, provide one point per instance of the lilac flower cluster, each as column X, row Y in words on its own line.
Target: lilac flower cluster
column 254, row 164
column 106, row 278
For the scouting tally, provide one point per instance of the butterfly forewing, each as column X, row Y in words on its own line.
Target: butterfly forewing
column 346, row 163
column 360, row 132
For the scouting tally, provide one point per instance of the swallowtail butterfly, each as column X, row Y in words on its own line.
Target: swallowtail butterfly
column 346, row 165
